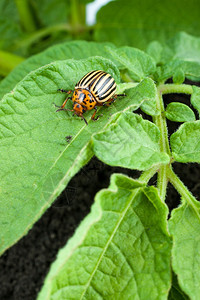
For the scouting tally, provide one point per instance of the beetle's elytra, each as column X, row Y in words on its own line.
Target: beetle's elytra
column 96, row 88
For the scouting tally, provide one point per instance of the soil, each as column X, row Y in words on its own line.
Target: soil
column 24, row 266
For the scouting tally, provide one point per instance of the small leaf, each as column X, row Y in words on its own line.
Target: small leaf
column 130, row 142
column 120, row 251
column 195, row 98
column 178, row 77
column 185, row 142
column 184, row 227
column 136, row 62
column 179, row 112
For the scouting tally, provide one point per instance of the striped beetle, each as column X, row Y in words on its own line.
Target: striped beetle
column 96, row 88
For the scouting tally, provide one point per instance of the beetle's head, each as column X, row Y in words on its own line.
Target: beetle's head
column 79, row 110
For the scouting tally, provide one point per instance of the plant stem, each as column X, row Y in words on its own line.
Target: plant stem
column 26, row 17
column 41, row 33
column 77, row 13
column 160, row 121
column 182, row 189
column 147, row 175
column 8, row 61
column 175, row 88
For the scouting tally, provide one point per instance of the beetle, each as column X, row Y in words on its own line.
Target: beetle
column 96, row 88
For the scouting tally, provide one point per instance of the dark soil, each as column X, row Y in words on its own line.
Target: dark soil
column 24, row 266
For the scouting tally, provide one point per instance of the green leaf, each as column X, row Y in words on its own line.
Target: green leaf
column 75, row 49
column 183, row 47
column 185, row 142
column 130, row 142
column 184, row 227
column 178, row 77
column 136, row 62
column 155, row 49
column 195, row 98
column 46, row 11
column 139, row 22
column 121, row 250
column 181, row 55
column 144, row 96
column 188, row 68
column 36, row 160
column 9, row 23
column 179, row 112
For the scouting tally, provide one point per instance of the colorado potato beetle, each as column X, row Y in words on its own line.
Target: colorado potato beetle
column 96, row 88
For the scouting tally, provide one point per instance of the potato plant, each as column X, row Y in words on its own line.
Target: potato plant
column 130, row 245
column 127, row 246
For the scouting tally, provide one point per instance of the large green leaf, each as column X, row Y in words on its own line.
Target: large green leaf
column 36, row 160
column 130, row 142
column 74, row 49
column 185, row 228
column 136, row 23
column 120, row 251
column 185, row 142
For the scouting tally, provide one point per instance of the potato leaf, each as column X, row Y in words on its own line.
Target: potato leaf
column 184, row 227
column 185, row 142
column 136, row 62
column 36, row 160
column 179, row 112
column 130, row 142
column 121, row 250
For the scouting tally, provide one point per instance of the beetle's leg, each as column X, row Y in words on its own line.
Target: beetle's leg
column 111, row 100
column 93, row 116
column 84, row 119
column 63, row 105
column 65, row 91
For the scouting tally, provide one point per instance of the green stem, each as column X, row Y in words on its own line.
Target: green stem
column 41, row 33
column 8, row 62
column 77, row 13
column 162, row 182
column 26, row 17
column 160, row 121
column 147, row 175
column 181, row 188
column 175, row 88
